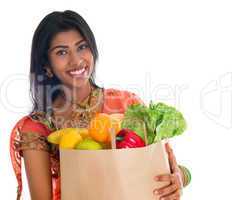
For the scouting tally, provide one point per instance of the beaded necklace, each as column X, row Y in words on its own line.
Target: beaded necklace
column 82, row 112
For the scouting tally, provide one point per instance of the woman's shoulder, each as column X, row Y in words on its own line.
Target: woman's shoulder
column 117, row 100
column 30, row 132
column 123, row 94
column 118, row 92
column 36, row 122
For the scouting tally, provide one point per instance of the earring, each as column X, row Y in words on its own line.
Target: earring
column 48, row 73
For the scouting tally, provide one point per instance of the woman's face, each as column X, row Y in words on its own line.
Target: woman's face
column 71, row 59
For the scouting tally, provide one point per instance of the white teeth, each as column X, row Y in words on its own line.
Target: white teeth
column 77, row 72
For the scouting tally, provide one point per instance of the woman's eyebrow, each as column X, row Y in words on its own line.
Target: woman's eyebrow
column 65, row 46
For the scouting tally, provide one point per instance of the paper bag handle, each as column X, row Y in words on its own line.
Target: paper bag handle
column 113, row 138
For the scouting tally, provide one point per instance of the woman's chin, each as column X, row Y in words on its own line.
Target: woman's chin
column 79, row 82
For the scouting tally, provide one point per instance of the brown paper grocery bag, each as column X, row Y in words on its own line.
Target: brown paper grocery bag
column 112, row 174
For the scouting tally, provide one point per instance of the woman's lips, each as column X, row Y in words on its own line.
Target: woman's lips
column 83, row 72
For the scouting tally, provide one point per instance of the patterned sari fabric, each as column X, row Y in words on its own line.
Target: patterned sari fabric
column 31, row 131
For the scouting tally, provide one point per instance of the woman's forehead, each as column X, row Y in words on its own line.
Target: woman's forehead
column 66, row 38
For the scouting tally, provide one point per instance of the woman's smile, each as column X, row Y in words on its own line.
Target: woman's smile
column 79, row 72
column 71, row 58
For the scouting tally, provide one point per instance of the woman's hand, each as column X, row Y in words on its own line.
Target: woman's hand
column 172, row 191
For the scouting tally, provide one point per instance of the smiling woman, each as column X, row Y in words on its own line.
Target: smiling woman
column 70, row 58
column 64, row 94
column 63, row 44
column 62, row 75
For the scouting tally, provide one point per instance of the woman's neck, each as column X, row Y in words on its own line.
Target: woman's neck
column 73, row 95
column 80, row 94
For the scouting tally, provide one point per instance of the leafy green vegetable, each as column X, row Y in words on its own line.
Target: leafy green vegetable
column 137, row 118
column 171, row 122
column 159, row 120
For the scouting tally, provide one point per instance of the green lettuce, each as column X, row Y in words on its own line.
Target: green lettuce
column 160, row 121
column 139, row 117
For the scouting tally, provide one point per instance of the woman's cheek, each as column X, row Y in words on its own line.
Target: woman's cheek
column 90, row 61
column 87, row 54
column 59, row 65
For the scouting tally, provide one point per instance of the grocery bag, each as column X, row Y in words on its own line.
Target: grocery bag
column 113, row 174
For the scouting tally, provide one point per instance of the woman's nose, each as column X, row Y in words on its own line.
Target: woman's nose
column 75, row 59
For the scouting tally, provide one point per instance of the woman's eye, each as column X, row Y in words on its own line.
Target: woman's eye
column 61, row 52
column 83, row 46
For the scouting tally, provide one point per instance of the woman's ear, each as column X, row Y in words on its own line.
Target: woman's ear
column 48, row 71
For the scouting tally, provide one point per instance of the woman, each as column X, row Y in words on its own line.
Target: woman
column 64, row 94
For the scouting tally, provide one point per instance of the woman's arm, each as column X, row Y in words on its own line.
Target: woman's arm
column 36, row 154
column 37, row 166
column 179, row 177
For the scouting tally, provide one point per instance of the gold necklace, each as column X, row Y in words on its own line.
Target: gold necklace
column 83, row 113
column 82, row 103
column 77, row 114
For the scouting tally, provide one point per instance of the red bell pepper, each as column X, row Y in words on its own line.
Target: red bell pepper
column 127, row 138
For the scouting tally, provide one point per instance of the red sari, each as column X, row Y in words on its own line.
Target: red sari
column 31, row 131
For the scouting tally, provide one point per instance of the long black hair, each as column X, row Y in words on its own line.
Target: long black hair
column 43, row 90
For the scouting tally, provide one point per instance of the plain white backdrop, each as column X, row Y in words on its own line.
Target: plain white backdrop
column 178, row 52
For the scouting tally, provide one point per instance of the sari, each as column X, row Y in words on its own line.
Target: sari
column 31, row 131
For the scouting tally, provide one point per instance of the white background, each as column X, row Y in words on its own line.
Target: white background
column 178, row 52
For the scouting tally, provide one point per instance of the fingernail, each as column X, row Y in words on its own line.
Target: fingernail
column 156, row 192
column 156, row 178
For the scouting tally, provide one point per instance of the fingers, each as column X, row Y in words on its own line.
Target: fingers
column 172, row 178
column 165, row 177
column 174, row 196
column 172, row 191
column 171, row 158
column 166, row 190
column 168, row 147
column 169, row 191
